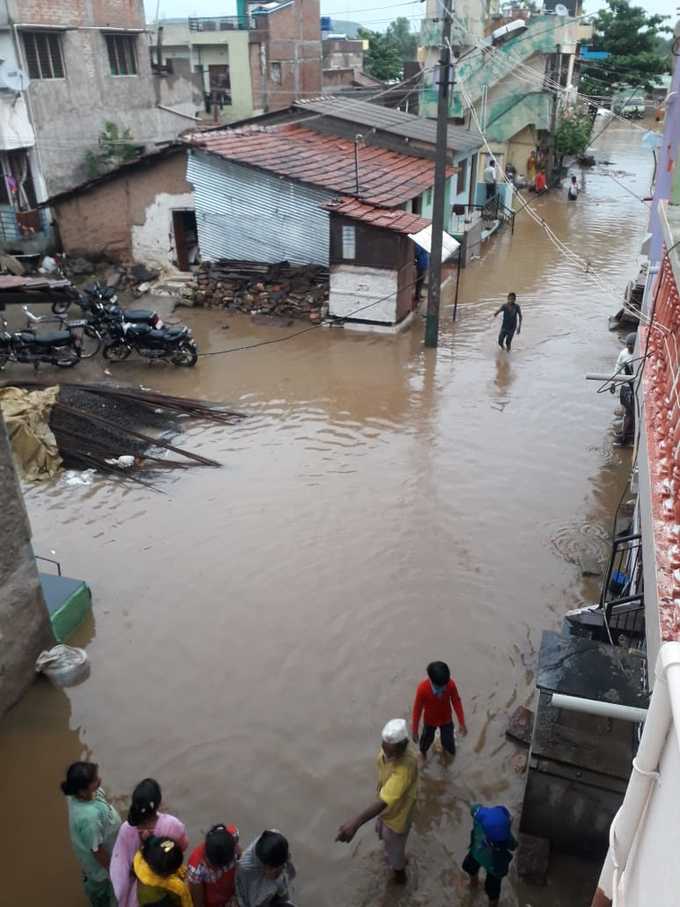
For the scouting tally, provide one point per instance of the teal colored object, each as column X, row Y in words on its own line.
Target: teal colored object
column 68, row 603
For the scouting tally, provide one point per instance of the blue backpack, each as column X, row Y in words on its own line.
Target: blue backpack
column 496, row 822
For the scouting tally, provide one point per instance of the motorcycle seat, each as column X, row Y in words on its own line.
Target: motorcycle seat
column 53, row 338
column 173, row 331
column 133, row 315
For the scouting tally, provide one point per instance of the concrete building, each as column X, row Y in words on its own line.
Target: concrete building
column 254, row 62
column 509, row 79
column 24, row 623
column 218, row 52
column 141, row 212
column 89, row 64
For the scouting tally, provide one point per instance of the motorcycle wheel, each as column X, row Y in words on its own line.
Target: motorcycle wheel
column 61, row 307
column 186, row 355
column 4, row 359
column 91, row 342
column 117, row 351
column 73, row 359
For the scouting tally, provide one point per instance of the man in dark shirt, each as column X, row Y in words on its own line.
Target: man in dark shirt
column 511, row 313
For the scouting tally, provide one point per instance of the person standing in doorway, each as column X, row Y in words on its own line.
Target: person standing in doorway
column 393, row 810
column 437, row 696
column 490, row 178
column 422, row 264
column 93, row 827
column 512, row 321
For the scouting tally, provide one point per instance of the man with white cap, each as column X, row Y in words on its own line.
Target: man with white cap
column 397, row 787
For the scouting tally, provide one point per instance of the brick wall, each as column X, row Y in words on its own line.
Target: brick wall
column 114, row 13
column 99, row 222
column 291, row 39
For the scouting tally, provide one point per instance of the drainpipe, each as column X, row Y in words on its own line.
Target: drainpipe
column 597, row 707
column 663, row 712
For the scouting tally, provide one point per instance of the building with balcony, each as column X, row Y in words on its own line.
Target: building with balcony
column 510, row 79
column 85, row 65
column 257, row 61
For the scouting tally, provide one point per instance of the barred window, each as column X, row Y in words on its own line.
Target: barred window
column 122, row 54
column 44, row 58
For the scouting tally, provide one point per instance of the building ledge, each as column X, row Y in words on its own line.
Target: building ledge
column 669, row 216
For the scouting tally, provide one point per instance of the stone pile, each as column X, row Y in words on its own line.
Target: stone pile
column 279, row 290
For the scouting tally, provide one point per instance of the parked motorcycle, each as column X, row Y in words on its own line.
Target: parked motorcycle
column 87, row 332
column 60, row 348
column 169, row 343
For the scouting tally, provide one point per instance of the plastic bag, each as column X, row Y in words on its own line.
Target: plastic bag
column 64, row 665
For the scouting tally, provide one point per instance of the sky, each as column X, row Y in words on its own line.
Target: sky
column 375, row 14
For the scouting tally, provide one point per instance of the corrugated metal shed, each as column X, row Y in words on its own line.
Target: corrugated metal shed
column 386, row 178
column 247, row 214
column 396, row 122
column 385, row 218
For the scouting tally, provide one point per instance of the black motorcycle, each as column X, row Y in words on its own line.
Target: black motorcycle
column 169, row 343
column 60, row 348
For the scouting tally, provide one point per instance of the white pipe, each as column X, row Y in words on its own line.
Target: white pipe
column 620, row 378
column 645, row 768
column 178, row 113
column 597, row 707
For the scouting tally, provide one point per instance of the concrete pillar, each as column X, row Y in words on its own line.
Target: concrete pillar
column 24, row 625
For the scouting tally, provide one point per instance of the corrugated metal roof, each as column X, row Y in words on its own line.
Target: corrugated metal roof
column 386, row 178
column 384, row 119
column 386, row 218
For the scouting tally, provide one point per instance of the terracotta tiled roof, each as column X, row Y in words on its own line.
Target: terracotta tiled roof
column 386, row 178
column 386, row 218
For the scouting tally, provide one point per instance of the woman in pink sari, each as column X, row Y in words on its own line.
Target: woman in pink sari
column 144, row 820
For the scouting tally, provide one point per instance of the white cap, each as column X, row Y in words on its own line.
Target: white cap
column 395, row 731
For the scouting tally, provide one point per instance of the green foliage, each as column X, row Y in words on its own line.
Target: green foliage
column 406, row 40
column 573, row 134
column 636, row 44
column 115, row 147
column 383, row 58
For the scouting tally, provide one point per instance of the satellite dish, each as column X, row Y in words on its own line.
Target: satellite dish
column 561, row 10
column 12, row 78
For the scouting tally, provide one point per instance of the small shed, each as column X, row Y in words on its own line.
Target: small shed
column 372, row 262
column 141, row 211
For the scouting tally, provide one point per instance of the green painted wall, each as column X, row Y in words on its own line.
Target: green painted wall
column 227, row 47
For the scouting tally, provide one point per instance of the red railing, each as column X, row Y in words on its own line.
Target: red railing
column 661, row 389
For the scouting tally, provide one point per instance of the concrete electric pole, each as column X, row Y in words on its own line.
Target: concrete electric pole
column 439, row 201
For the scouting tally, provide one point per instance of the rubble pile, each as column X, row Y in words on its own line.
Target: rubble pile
column 280, row 289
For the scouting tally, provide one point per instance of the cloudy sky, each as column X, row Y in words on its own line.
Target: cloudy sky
column 375, row 14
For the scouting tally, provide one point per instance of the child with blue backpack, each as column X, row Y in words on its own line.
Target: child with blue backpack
column 491, row 847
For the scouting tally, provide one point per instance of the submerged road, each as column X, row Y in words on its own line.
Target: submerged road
column 383, row 506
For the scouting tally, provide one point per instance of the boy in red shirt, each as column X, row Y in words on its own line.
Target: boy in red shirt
column 436, row 696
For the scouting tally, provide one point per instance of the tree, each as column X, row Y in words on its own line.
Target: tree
column 572, row 135
column 115, row 147
column 383, row 58
column 635, row 45
column 406, row 40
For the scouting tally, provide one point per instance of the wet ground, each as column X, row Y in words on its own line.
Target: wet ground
column 383, row 506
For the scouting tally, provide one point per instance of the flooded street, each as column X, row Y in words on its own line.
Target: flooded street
column 381, row 507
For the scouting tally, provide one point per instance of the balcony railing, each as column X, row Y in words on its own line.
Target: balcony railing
column 220, row 23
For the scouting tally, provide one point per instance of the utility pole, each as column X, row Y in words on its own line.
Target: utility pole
column 439, row 200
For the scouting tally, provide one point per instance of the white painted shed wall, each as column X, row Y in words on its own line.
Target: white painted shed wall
column 153, row 242
column 371, row 290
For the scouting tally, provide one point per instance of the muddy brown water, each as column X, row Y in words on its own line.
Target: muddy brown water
column 382, row 506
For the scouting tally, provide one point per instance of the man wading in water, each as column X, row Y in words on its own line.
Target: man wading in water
column 511, row 312
column 393, row 809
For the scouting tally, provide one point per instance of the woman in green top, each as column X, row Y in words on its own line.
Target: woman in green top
column 93, row 826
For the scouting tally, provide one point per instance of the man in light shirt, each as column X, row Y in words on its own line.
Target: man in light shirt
column 625, row 365
column 490, row 179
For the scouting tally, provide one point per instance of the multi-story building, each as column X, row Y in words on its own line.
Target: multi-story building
column 516, row 81
column 258, row 61
column 67, row 70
